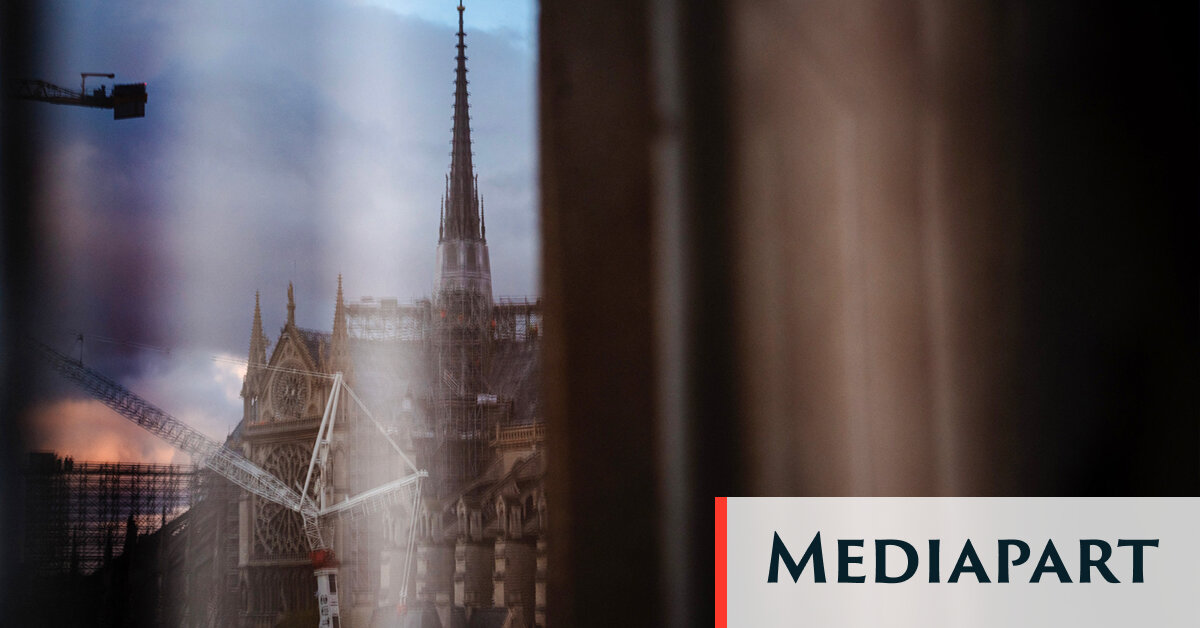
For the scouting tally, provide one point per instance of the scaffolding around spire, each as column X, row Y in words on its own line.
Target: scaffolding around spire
column 462, row 307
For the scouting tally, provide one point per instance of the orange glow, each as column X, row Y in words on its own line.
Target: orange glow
column 87, row 430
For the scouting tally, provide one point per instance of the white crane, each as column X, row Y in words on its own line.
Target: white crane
column 237, row 469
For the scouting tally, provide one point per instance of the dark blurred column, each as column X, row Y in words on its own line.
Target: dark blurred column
column 965, row 256
column 599, row 352
column 856, row 248
column 18, row 30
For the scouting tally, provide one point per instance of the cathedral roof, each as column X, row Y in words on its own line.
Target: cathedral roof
column 314, row 341
column 527, row 473
column 514, row 373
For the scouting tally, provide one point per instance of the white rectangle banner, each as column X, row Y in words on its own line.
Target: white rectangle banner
column 976, row 562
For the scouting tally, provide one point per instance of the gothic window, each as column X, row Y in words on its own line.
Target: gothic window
column 500, row 518
column 278, row 531
column 463, row 531
column 289, row 393
column 476, row 524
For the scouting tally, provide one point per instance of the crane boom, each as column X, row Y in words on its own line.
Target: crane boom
column 376, row 499
column 33, row 89
column 211, row 454
column 403, row 491
column 126, row 101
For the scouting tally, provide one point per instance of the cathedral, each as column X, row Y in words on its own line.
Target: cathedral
column 453, row 382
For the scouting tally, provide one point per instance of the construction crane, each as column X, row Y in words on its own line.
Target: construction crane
column 126, row 101
column 237, row 469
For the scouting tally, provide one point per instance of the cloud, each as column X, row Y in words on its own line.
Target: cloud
column 87, row 430
column 514, row 19
column 282, row 142
column 229, row 373
column 201, row 390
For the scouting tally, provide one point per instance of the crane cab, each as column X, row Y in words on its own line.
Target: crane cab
column 327, row 598
column 129, row 101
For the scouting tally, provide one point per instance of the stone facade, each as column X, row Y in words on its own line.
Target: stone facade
column 453, row 381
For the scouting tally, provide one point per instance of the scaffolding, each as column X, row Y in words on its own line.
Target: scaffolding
column 204, row 556
column 460, row 340
column 516, row 320
column 473, row 346
column 389, row 320
column 80, row 515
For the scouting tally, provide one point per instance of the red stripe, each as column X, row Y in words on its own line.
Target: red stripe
column 722, row 610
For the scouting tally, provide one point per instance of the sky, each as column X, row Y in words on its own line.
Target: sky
column 283, row 141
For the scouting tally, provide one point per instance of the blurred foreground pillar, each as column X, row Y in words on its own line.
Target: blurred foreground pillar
column 856, row 248
column 965, row 247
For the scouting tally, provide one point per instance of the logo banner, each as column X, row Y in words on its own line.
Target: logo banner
column 977, row 562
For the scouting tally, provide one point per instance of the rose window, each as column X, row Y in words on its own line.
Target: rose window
column 278, row 531
column 289, row 394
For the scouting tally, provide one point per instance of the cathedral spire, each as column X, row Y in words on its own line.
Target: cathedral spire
column 339, row 314
column 462, row 206
column 339, row 344
column 291, row 319
column 258, row 340
column 252, row 382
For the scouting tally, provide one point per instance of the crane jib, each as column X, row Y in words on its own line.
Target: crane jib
column 236, row 468
column 212, row 454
